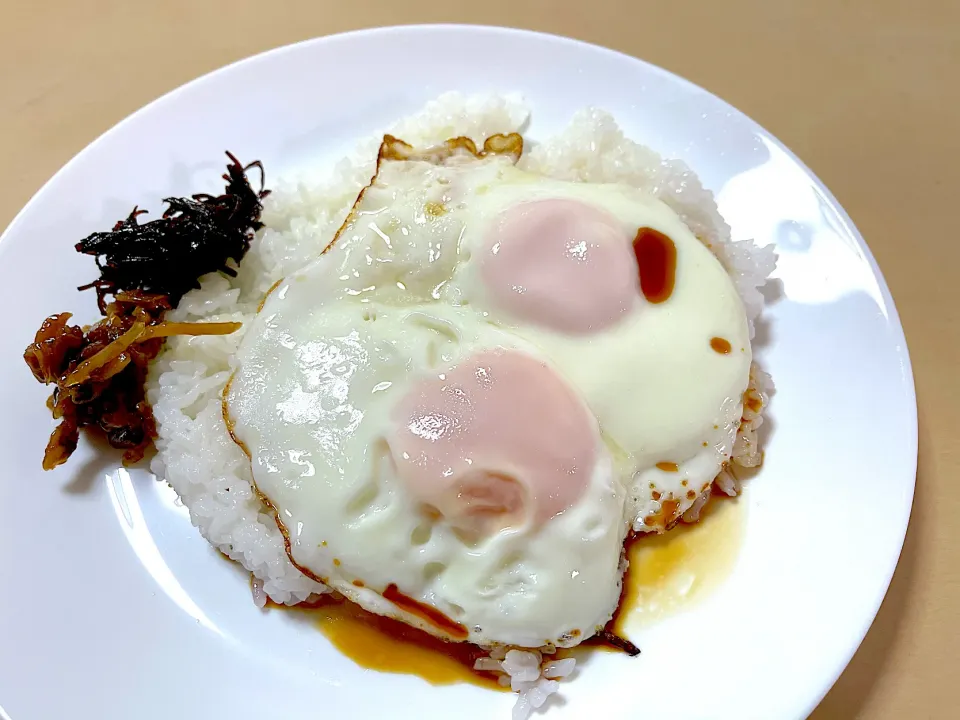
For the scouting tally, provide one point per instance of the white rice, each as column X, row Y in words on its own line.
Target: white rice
column 212, row 476
column 533, row 674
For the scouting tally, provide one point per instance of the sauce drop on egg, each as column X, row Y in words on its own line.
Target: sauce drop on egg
column 720, row 345
column 657, row 260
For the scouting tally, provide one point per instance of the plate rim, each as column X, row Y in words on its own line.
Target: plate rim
column 911, row 442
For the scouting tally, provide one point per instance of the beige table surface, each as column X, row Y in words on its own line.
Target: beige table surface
column 864, row 91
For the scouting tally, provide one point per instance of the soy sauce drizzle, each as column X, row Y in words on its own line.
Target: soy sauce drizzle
column 720, row 345
column 657, row 261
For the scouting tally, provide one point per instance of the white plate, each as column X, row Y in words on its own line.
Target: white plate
column 114, row 607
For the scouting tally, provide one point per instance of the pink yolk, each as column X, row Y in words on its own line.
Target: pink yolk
column 561, row 264
column 498, row 440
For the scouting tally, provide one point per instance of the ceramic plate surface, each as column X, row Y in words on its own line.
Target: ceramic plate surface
column 113, row 605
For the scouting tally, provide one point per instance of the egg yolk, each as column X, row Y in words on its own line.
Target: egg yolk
column 561, row 264
column 497, row 441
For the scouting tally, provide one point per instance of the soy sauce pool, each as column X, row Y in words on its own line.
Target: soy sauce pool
column 667, row 574
column 674, row 571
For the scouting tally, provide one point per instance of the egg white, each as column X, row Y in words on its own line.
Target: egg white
column 399, row 295
column 311, row 401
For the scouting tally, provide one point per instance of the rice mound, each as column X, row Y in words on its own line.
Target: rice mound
column 196, row 455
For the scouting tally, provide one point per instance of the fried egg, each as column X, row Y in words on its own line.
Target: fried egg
column 636, row 312
column 411, row 468
column 458, row 411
